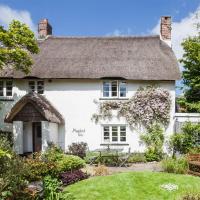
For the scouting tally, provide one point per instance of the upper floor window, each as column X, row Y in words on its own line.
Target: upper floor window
column 36, row 86
column 114, row 133
column 6, row 87
column 114, row 89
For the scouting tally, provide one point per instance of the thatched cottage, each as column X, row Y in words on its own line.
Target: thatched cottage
column 55, row 102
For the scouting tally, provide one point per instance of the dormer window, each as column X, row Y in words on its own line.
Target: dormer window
column 6, row 87
column 114, row 89
column 36, row 86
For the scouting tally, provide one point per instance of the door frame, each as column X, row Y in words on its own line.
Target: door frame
column 34, row 132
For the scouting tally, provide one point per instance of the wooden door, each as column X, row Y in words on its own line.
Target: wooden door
column 37, row 137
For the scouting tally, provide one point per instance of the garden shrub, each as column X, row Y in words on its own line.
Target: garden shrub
column 8, row 136
column 108, row 159
column 101, row 170
column 78, row 149
column 90, row 155
column 70, row 163
column 153, row 140
column 52, row 189
column 187, row 140
column 53, row 153
column 12, row 171
column 38, row 168
column 191, row 196
column 175, row 165
column 137, row 158
column 68, row 178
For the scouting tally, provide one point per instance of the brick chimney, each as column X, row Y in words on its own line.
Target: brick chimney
column 165, row 29
column 44, row 28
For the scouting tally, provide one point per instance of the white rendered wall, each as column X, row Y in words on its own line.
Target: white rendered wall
column 74, row 99
column 49, row 134
column 20, row 88
column 18, row 136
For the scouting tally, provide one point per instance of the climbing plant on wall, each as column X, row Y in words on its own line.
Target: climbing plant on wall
column 148, row 106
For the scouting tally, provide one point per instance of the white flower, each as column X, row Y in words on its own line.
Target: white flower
column 169, row 187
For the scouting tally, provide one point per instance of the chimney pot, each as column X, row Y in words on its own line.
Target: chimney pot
column 44, row 28
column 165, row 29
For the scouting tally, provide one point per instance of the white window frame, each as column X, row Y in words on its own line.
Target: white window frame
column 110, row 126
column 36, row 86
column 5, row 96
column 110, row 90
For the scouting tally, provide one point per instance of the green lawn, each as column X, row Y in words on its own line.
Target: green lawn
column 133, row 186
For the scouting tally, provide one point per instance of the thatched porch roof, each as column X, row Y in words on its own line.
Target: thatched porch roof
column 39, row 106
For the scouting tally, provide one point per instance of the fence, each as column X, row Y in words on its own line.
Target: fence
column 181, row 118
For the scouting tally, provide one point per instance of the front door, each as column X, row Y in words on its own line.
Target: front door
column 37, row 137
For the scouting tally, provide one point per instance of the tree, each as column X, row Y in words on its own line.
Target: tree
column 191, row 74
column 16, row 46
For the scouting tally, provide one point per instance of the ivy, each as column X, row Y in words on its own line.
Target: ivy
column 149, row 105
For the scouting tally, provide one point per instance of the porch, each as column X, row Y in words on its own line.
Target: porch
column 35, row 123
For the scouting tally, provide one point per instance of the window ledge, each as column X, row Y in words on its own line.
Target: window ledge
column 114, row 144
column 104, row 98
column 6, row 99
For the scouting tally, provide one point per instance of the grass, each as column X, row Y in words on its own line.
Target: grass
column 133, row 186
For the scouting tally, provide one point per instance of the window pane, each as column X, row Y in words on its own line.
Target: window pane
column 1, row 88
column 122, row 89
column 114, row 133
column 40, row 87
column 106, row 86
column 8, row 88
column 122, row 133
column 31, row 86
column 114, row 88
column 106, row 136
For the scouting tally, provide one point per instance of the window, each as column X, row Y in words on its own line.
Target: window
column 36, row 86
column 114, row 134
column 6, row 87
column 114, row 89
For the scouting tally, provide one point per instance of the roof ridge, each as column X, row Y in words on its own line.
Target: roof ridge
column 103, row 37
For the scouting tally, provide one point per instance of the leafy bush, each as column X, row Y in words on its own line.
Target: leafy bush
column 52, row 188
column 7, row 136
column 12, row 171
column 37, row 168
column 78, row 149
column 53, row 153
column 108, row 159
column 187, row 140
column 178, row 165
column 137, row 158
column 69, row 163
column 62, row 161
column 68, row 178
column 90, row 155
column 101, row 170
column 153, row 139
column 191, row 196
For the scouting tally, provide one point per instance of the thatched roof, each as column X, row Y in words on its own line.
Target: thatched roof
column 134, row 58
column 40, row 103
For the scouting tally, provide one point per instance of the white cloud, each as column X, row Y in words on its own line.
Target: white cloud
column 181, row 30
column 7, row 14
column 119, row 32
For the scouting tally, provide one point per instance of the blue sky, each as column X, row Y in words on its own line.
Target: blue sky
column 102, row 17
column 106, row 17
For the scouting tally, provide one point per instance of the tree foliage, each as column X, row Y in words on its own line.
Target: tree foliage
column 191, row 73
column 16, row 46
column 187, row 140
column 191, row 62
